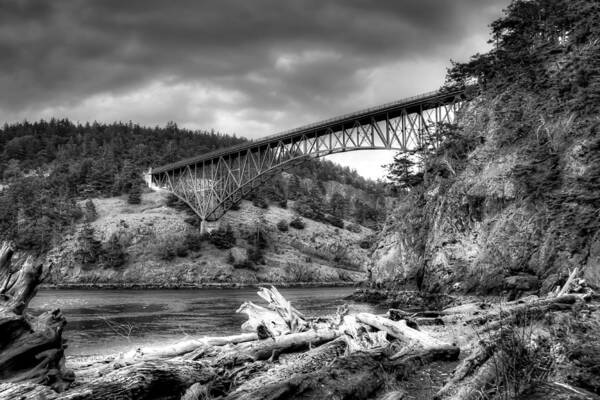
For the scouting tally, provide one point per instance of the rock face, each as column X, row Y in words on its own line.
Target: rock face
column 477, row 231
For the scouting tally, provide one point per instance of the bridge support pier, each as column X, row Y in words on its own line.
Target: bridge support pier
column 203, row 229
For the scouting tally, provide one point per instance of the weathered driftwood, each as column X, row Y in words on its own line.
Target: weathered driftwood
column 413, row 319
column 393, row 395
column 183, row 347
column 31, row 348
column 273, row 347
column 195, row 392
column 527, row 309
column 26, row 390
column 279, row 318
column 400, row 330
column 469, row 308
column 171, row 378
column 302, row 363
column 471, row 387
column 485, row 365
column 560, row 391
column 464, row 369
column 157, row 379
column 249, row 366
column 356, row 376
column 567, row 286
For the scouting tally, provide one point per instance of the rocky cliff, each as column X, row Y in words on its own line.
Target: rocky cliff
column 510, row 202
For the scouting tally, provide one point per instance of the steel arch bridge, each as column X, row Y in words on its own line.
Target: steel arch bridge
column 211, row 183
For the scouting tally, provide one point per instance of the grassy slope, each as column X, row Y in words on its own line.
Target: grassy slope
column 296, row 255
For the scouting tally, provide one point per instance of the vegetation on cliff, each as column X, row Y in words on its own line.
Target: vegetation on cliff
column 510, row 200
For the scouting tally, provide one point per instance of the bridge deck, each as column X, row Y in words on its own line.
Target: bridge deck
column 389, row 110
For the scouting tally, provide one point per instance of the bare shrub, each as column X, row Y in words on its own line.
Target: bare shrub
column 300, row 272
column 522, row 358
column 123, row 330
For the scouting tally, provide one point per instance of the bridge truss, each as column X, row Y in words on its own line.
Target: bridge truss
column 212, row 183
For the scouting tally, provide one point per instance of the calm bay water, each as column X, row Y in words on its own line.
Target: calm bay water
column 107, row 321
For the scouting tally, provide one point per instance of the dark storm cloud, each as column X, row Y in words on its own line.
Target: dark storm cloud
column 273, row 52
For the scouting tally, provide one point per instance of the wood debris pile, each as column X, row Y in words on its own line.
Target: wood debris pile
column 281, row 354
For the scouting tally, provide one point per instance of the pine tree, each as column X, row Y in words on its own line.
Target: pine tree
column 295, row 189
column 338, row 205
column 223, row 238
column 90, row 211
column 135, row 195
column 404, row 171
column 89, row 248
column 113, row 255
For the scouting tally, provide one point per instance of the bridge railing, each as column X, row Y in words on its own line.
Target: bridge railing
column 343, row 117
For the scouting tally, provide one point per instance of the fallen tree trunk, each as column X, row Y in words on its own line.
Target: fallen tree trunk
column 26, row 390
column 168, row 379
column 303, row 363
column 356, row 376
column 400, row 330
column 31, row 348
column 246, row 366
column 158, row 379
column 530, row 309
column 184, row 347
column 471, row 387
column 273, row 347
column 464, row 369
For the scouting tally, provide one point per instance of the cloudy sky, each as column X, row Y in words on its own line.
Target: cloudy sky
column 249, row 67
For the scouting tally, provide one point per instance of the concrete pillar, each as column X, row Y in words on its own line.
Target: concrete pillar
column 203, row 226
column 148, row 179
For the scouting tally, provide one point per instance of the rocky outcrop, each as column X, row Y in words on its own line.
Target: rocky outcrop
column 477, row 231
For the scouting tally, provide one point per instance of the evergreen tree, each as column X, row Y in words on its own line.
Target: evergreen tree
column 295, row 189
column 89, row 249
column 113, row 255
column 404, row 171
column 223, row 238
column 135, row 195
column 338, row 205
column 90, row 211
column 297, row 223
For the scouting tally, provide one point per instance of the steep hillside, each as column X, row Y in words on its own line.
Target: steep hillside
column 318, row 252
column 510, row 202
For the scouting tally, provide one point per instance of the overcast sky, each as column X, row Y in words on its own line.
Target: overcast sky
column 249, row 67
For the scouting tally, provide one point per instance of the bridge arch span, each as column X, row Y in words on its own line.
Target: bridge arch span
column 211, row 183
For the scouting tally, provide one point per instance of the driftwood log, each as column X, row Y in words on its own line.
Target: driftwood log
column 486, row 366
column 31, row 348
column 341, row 357
column 283, row 354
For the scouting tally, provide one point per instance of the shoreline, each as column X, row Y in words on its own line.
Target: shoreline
column 214, row 285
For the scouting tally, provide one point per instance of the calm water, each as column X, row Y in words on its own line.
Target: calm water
column 98, row 321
